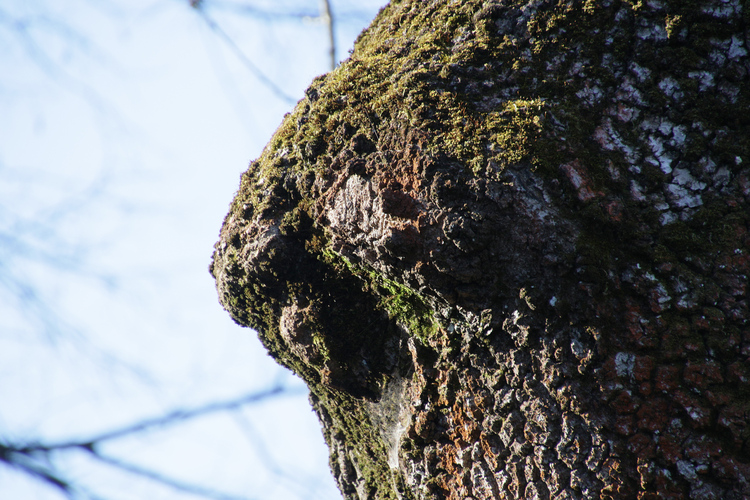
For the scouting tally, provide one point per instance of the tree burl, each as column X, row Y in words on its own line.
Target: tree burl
column 506, row 246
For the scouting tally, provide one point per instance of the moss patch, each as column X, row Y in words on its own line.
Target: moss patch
column 402, row 304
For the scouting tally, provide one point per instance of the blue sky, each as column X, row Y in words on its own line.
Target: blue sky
column 124, row 127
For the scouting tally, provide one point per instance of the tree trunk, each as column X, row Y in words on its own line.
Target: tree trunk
column 506, row 246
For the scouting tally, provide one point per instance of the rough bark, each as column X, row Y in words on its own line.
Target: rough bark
column 506, row 246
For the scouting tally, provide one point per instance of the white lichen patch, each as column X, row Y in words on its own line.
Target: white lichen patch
column 665, row 127
column 667, row 218
column 642, row 73
column 671, row 88
column 577, row 175
column 718, row 57
column 736, row 48
column 624, row 113
column 590, row 95
column 663, row 158
column 705, row 79
column 682, row 177
column 649, row 124
column 722, row 8
column 624, row 364
column 660, row 294
column 609, row 139
column 707, row 164
column 652, row 32
column 685, row 468
column 683, row 198
column 579, row 350
column 656, row 4
column 628, row 92
column 722, row 177
column 636, row 191
column 679, row 134
column 577, row 68
column 659, row 202
column 614, row 172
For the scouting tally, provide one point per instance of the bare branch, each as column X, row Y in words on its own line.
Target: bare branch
column 253, row 11
column 172, row 418
column 173, row 483
column 21, row 28
column 26, row 463
column 32, row 457
column 244, row 59
column 327, row 18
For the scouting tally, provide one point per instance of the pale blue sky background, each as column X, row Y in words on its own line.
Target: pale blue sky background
column 124, row 127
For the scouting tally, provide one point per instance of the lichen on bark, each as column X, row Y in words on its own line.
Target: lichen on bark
column 506, row 245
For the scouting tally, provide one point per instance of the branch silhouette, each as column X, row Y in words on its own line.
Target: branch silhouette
column 35, row 459
column 243, row 58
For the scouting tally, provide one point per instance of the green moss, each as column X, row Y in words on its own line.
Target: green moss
column 379, row 87
column 402, row 304
column 349, row 422
column 407, row 308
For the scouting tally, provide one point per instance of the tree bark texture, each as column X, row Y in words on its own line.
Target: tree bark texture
column 506, row 246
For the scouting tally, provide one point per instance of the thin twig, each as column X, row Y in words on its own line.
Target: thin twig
column 25, row 462
column 173, row 483
column 198, row 7
column 169, row 419
column 327, row 18
column 31, row 457
column 257, row 12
